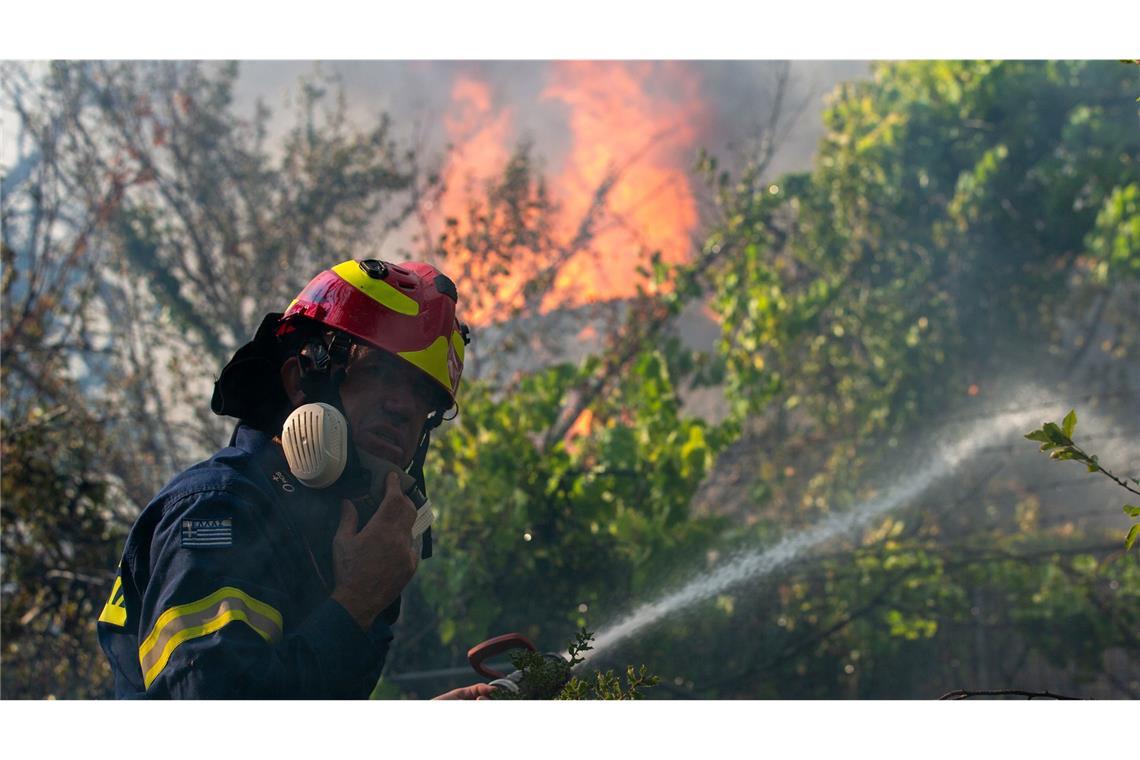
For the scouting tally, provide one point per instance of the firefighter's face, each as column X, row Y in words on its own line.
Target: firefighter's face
column 386, row 402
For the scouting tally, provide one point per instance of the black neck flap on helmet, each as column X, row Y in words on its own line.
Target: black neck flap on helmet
column 249, row 387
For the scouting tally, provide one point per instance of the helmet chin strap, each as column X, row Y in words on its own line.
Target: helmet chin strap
column 416, row 470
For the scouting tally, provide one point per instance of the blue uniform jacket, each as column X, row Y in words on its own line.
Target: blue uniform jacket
column 223, row 589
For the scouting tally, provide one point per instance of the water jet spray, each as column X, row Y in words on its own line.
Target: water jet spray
column 755, row 564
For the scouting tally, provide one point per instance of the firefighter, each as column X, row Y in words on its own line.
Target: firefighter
column 271, row 570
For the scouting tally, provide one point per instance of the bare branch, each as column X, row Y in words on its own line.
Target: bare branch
column 968, row 694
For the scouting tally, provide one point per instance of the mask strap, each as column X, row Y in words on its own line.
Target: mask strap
column 416, row 470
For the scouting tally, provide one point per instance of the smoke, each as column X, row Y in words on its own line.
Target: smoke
column 418, row 96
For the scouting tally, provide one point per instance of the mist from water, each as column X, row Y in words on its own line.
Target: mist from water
column 942, row 461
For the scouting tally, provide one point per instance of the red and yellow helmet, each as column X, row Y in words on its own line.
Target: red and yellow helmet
column 405, row 309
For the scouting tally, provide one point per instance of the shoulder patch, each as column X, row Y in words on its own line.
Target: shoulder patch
column 115, row 610
column 207, row 534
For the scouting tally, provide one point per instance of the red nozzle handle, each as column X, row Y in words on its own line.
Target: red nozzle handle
column 492, row 647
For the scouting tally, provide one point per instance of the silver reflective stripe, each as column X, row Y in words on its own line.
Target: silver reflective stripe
column 201, row 618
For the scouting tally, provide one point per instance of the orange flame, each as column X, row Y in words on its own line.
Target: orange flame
column 581, row 427
column 619, row 125
column 481, row 135
column 638, row 120
column 480, row 139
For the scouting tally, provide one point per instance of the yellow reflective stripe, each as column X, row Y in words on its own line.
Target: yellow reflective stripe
column 189, row 621
column 377, row 290
column 115, row 610
column 432, row 360
column 457, row 344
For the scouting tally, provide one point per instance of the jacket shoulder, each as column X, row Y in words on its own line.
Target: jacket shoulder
column 228, row 483
column 231, row 470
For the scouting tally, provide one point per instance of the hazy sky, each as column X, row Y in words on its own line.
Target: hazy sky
column 733, row 95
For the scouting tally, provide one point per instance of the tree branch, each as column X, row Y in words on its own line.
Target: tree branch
column 967, row 694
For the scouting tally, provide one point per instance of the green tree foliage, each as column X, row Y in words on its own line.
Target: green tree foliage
column 950, row 200
column 964, row 221
column 61, row 542
column 1058, row 441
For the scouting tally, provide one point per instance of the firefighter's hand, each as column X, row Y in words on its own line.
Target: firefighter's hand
column 474, row 691
column 372, row 566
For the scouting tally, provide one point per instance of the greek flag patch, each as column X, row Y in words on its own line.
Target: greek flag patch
column 207, row 534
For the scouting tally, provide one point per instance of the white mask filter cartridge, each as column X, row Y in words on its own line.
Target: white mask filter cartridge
column 315, row 440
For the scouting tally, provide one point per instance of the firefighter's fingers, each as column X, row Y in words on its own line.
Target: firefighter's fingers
column 348, row 521
column 396, row 512
column 475, row 691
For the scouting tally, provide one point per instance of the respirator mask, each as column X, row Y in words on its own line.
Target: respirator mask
column 318, row 451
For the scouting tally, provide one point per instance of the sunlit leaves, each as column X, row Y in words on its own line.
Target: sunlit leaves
column 1057, row 440
column 1134, row 531
column 1114, row 241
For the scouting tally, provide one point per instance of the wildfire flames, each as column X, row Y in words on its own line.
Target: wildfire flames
column 640, row 121
column 481, row 136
